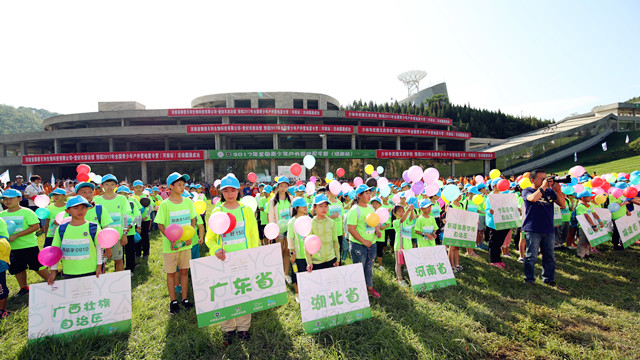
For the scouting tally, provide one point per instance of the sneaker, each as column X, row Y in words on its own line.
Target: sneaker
column 244, row 335
column 380, row 267
column 482, row 246
column 4, row 313
column 459, row 267
column 521, row 260
column 228, row 337
column 187, row 304
column 174, row 307
column 287, row 278
column 374, row 293
column 297, row 297
column 23, row 291
column 504, row 266
column 498, row 265
column 403, row 283
column 506, row 255
column 554, row 285
column 472, row 254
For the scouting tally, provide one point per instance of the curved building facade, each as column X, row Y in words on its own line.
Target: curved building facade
column 240, row 133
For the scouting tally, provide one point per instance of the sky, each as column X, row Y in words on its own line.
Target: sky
column 547, row 59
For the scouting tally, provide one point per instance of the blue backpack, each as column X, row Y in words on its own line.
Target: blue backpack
column 93, row 230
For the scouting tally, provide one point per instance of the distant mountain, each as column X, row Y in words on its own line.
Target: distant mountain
column 634, row 100
column 22, row 119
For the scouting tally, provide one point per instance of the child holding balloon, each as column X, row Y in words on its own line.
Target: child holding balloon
column 403, row 220
column 243, row 236
column 81, row 253
column 295, row 240
column 325, row 229
column 280, row 213
column 376, row 203
column 59, row 197
column 336, row 212
column 426, row 226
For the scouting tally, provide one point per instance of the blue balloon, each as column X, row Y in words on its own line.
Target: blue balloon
column 451, row 192
column 568, row 190
column 574, row 180
column 42, row 213
column 613, row 207
column 385, row 191
column 621, row 185
column 634, row 179
column 136, row 237
column 329, row 176
column 11, row 227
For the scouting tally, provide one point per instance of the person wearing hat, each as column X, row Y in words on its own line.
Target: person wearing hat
column 23, row 240
column 133, row 222
column 176, row 210
column 336, row 213
column 586, row 208
column 81, row 253
column 118, row 208
column 243, row 236
column 58, row 205
column 142, row 247
column 5, row 260
column 376, row 203
column 156, row 199
column 280, row 213
column 263, row 199
column 327, row 230
column 363, row 237
column 295, row 241
column 32, row 190
column 426, row 226
column 21, row 186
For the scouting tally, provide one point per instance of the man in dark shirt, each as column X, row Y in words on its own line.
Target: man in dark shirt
column 21, row 186
column 537, row 225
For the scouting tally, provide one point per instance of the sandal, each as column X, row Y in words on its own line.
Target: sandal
column 4, row 313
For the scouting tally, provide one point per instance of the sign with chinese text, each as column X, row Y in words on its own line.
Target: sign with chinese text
column 433, row 154
column 66, row 158
column 332, row 297
column 268, row 128
column 380, row 130
column 247, row 281
column 629, row 228
column 595, row 237
column 291, row 154
column 505, row 211
column 244, row 112
column 461, row 228
column 396, row 117
column 429, row 268
column 557, row 215
column 86, row 304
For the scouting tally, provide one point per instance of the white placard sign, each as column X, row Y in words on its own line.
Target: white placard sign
column 595, row 237
column 461, row 229
column 332, row 297
column 557, row 215
column 629, row 228
column 247, row 281
column 86, row 304
column 429, row 268
column 505, row 211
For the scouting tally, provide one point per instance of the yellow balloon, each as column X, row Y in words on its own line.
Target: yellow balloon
column 588, row 184
column 525, row 183
column 200, row 206
column 368, row 169
column 444, row 199
column 276, row 178
column 373, row 219
column 494, row 174
column 478, row 199
column 157, row 203
column 187, row 232
column 600, row 199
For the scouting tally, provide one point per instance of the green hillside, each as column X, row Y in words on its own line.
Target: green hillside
column 22, row 119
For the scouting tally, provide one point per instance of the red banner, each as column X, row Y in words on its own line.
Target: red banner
column 433, row 154
column 269, row 128
column 108, row 157
column 378, row 130
column 396, row 117
column 244, row 112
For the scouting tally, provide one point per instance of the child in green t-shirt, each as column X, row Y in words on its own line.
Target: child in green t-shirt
column 5, row 251
column 376, row 202
column 81, row 253
column 585, row 207
column 295, row 241
column 404, row 220
column 59, row 197
column 326, row 229
column 118, row 208
column 426, row 226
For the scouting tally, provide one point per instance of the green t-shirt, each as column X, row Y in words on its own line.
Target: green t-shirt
column 621, row 212
column 389, row 207
column 263, row 212
column 133, row 214
column 325, row 229
column 117, row 208
column 3, row 230
column 337, row 208
column 358, row 218
column 405, row 241
column 144, row 211
column 23, row 218
column 582, row 209
column 53, row 211
column 196, row 238
column 170, row 213
column 79, row 253
column 429, row 226
column 92, row 216
column 296, row 239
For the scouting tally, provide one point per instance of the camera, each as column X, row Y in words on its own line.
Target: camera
column 566, row 179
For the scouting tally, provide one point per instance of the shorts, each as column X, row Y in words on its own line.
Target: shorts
column 68, row 276
column 23, row 259
column 178, row 259
column 301, row 264
column 261, row 231
column 47, row 241
column 117, row 252
column 482, row 224
column 326, row 264
column 380, row 249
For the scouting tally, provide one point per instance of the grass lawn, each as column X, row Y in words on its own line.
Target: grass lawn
column 490, row 314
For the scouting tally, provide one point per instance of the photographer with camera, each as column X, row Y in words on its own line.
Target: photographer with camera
column 537, row 224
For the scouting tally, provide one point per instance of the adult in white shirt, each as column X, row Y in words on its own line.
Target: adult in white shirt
column 34, row 189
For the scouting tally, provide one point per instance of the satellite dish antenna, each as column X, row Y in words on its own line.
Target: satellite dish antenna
column 411, row 79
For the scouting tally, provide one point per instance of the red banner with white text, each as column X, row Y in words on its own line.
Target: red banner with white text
column 107, row 157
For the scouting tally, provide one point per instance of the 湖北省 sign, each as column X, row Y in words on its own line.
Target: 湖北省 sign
column 271, row 128
column 244, row 112
column 433, row 154
column 96, row 157
column 396, row 117
column 378, row 130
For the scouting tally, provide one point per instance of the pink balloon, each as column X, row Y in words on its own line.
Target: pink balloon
column 432, row 189
column 313, row 179
column 358, row 181
column 409, row 194
column 346, row 188
column 431, row 175
column 65, row 220
column 383, row 214
column 218, row 223
column 108, row 237
column 415, row 173
column 60, row 216
column 312, row 244
column 50, row 255
column 578, row 188
column 173, row 232
column 405, row 176
column 252, row 177
column 310, row 189
column 335, row 187
column 417, row 187
column 396, row 199
column 616, row 192
column 577, row 171
column 441, row 202
column 271, row 231
column 83, row 169
column 215, row 200
column 598, row 191
column 375, row 175
column 302, row 225
column 42, row 201
column 382, row 182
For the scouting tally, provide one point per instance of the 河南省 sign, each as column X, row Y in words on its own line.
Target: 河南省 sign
column 268, row 128
column 396, row 117
column 244, row 112
column 96, row 157
column 291, row 154
column 379, row 130
column 434, row 154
